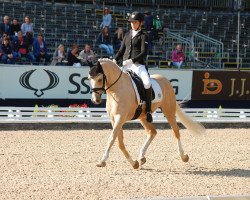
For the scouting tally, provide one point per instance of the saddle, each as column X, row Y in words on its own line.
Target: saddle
column 139, row 85
column 141, row 90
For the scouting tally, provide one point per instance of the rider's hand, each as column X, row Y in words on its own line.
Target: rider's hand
column 127, row 62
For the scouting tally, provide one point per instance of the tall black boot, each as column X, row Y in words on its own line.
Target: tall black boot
column 148, row 104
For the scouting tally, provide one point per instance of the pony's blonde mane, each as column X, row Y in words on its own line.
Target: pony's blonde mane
column 107, row 60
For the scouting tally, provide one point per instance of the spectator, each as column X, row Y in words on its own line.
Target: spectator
column 157, row 26
column 5, row 35
column 118, row 38
column 87, row 55
column 5, row 26
column 104, row 41
column 106, row 19
column 27, row 29
column 15, row 27
column 40, row 49
column 73, row 59
column 7, row 54
column 148, row 24
column 178, row 56
column 59, row 56
column 148, row 21
column 21, row 47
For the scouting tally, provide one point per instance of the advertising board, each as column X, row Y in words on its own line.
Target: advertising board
column 57, row 82
column 221, row 85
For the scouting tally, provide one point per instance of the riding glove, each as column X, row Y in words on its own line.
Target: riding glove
column 127, row 62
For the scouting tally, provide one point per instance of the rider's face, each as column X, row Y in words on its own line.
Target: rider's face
column 135, row 25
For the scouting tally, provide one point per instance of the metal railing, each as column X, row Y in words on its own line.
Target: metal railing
column 197, row 47
column 99, row 115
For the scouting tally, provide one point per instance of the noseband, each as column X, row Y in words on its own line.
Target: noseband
column 95, row 90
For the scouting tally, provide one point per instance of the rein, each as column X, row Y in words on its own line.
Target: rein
column 103, row 84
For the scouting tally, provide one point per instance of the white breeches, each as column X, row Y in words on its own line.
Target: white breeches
column 141, row 71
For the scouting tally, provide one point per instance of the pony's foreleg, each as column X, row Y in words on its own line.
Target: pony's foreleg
column 149, row 127
column 134, row 163
column 117, row 127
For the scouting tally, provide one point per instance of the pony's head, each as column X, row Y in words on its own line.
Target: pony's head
column 97, row 82
column 103, row 75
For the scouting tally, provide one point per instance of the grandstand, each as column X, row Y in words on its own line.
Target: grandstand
column 72, row 21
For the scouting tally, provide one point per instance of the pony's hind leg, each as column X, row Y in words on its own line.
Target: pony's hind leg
column 135, row 164
column 173, row 124
column 151, row 133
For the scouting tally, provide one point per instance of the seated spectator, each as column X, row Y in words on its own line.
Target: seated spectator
column 27, row 26
column 178, row 56
column 5, row 35
column 40, row 49
column 15, row 27
column 7, row 54
column 118, row 38
column 59, row 56
column 27, row 29
column 5, row 26
column 21, row 47
column 87, row 55
column 104, row 41
column 106, row 19
column 72, row 56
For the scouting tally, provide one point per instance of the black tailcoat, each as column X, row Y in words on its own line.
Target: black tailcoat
column 133, row 48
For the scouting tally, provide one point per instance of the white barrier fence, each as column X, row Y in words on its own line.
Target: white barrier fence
column 66, row 114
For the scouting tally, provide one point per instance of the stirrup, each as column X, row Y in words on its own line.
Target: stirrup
column 149, row 117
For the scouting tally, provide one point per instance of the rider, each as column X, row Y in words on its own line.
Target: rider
column 134, row 51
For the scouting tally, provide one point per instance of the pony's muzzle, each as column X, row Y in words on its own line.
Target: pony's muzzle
column 96, row 98
column 96, row 101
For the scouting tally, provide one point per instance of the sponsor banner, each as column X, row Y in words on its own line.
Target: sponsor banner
column 221, row 85
column 52, row 82
column 181, row 81
column 57, row 82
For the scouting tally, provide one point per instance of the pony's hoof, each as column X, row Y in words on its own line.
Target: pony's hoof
column 136, row 165
column 101, row 164
column 185, row 158
column 142, row 161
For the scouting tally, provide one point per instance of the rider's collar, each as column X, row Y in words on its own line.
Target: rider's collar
column 135, row 32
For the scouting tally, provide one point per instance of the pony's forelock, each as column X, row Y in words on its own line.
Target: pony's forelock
column 95, row 70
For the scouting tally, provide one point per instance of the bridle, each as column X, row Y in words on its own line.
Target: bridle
column 95, row 90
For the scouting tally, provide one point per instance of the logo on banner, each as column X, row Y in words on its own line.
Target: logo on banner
column 25, row 82
column 211, row 86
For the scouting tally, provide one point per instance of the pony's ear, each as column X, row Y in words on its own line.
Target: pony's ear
column 90, row 64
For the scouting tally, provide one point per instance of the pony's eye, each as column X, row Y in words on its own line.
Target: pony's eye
column 99, row 80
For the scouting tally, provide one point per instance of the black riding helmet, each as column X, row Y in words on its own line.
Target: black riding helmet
column 136, row 16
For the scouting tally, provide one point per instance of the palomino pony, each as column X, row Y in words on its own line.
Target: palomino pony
column 121, row 104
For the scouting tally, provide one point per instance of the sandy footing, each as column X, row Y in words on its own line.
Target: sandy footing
column 62, row 165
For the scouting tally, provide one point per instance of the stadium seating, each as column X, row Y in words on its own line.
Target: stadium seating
column 70, row 23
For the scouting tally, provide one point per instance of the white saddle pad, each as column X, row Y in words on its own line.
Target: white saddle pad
column 155, row 86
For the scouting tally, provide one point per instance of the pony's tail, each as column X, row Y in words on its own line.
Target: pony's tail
column 188, row 122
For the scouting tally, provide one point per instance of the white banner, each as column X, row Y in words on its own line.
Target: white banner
column 57, row 82
column 181, row 81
